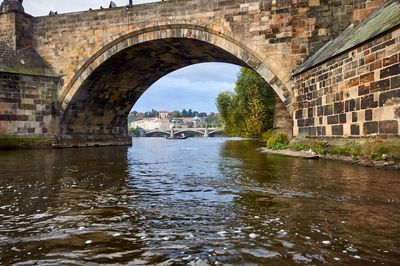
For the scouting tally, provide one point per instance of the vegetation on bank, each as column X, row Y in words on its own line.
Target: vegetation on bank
column 248, row 111
column 367, row 148
column 18, row 142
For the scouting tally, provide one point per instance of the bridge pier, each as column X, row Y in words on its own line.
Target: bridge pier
column 206, row 135
column 283, row 122
column 91, row 140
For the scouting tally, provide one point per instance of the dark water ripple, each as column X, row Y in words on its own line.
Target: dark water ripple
column 193, row 202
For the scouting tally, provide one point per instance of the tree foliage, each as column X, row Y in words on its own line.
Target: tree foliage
column 249, row 110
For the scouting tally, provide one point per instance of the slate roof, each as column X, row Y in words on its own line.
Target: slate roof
column 383, row 19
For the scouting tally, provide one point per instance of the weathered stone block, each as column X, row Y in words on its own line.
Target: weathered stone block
column 328, row 110
column 371, row 128
column 390, row 71
column 389, row 98
column 390, row 60
column 342, row 118
column 337, row 130
column 355, row 129
column 380, row 85
column 389, row 127
column 354, row 117
column 334, row 119
column 368, row 115
column 368, row 102
column 338, row 107
column 395, row 82
column 367, row 77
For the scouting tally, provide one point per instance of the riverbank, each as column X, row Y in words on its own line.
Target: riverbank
column 290, row 153
column 365, row 162
column 367, row 152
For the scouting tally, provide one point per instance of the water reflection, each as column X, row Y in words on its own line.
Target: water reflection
column 197, row 202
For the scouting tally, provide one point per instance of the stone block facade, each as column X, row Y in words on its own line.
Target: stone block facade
column 352, row 95
column 16, row 30
column 27, row 105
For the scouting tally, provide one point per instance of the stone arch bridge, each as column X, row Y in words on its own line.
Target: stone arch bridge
column 71, row 79
column 206, row 132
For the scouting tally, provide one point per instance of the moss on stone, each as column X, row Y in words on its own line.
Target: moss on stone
column 10, row 142
column 26, row 71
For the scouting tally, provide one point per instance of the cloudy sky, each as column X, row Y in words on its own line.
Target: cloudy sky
column 194, row 87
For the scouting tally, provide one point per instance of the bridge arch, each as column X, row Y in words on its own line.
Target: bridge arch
column 152, row 132
column 99, row 97
column 189, row 130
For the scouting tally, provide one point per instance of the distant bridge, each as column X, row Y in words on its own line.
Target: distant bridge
column 206, row 132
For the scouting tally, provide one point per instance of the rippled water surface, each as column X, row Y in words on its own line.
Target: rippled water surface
column 193, row 202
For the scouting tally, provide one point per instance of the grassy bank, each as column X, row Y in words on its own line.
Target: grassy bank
column 372, row 149
column 10, row 142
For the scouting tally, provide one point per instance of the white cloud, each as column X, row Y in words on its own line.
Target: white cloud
column 191, row 87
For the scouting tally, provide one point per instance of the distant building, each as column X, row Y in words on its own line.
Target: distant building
column 150, row 124
column 196, row 121
column 163, row 114
column 163, row 121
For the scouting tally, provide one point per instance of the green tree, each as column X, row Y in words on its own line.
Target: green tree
column 214, row 120
column 175, row 114
column 249, row 110
column 202, row 114
column 184, row 113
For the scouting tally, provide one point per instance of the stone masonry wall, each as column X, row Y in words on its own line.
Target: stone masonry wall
column 355, row 94
column 283, row 122
column 24, row 31
column 333, row 16
column 275, row 36
column 26, row 105
column 7, row 29
column 282, row 33
column 16, row 30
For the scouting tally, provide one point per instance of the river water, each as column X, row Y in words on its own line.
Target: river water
column 193, row 202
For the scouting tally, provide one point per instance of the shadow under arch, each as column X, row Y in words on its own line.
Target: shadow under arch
column 101, row 94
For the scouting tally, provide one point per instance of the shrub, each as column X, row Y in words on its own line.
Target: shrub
column 348, row 149
column 319, row 147
column 316, row 146
column 279, row 141
column 374, row 149
column 266, row 136
column 393, row 150
column 300, row 146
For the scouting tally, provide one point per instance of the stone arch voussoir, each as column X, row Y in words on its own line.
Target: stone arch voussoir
column 226, row 42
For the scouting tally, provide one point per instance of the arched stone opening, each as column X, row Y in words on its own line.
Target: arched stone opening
column 95, row 104
column 190, row 131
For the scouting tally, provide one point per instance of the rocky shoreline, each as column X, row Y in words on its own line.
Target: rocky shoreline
column 381, row 164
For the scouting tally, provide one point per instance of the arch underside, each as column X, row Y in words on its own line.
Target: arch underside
column 189, row 130
column 104, row 99
column 151, row 133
